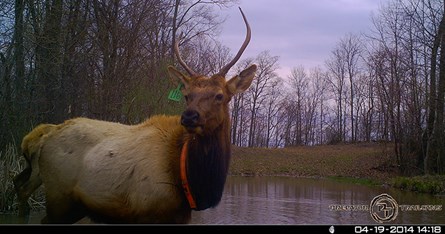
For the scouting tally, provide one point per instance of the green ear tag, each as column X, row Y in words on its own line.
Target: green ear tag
column 175, row 94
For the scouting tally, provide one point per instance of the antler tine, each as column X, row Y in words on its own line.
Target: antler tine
column 178, row 56
column 227, row 67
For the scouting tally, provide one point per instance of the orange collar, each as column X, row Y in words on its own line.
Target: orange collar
column 183, row 169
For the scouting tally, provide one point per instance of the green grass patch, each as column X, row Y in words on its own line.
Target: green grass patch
column 434, row 184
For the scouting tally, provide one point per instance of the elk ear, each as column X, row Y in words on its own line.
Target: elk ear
column 185, row 80
column 241, row 82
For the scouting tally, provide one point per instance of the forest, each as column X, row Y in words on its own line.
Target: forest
column 108, row 60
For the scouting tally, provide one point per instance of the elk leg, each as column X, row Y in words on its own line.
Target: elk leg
column 25, row 184
column 20, row 182
column 62, row 209
column 21, row 178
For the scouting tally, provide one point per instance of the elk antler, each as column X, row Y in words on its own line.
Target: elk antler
column 227, row 67
column 183, row 64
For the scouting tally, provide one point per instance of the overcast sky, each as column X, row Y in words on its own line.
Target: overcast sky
column 300, row 32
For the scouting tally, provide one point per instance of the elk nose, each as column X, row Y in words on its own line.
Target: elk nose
column 189, row 118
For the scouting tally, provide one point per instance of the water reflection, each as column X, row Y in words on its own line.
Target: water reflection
column 286, row 200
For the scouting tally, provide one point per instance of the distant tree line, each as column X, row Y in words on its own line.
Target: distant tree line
column 385, row 85
column 107, row 60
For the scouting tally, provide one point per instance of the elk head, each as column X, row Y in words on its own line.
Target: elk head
column 207, row 98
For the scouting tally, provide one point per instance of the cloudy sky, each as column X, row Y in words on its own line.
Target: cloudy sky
column 300, row 32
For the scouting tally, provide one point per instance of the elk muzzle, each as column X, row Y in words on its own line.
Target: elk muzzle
column 190, row 120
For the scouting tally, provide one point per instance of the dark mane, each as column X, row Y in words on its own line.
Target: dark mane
column 207, row 167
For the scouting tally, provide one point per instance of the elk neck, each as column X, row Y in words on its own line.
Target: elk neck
column 207, row 165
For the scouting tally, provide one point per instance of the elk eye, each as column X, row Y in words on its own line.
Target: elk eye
column 219, row 97
column 186, row 97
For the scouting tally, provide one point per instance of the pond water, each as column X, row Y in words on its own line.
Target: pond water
column 288, row 200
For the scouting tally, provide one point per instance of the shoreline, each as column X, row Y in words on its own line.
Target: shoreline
column 362, row 163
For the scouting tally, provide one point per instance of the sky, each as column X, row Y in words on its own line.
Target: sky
column 299, row 32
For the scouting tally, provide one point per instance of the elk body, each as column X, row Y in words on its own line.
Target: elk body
column 116, row 173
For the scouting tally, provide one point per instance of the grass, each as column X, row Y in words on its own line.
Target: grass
column 434, row 184
column 11, row 164
column 365, row 161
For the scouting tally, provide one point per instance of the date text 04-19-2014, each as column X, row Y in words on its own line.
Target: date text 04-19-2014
column 399, row 229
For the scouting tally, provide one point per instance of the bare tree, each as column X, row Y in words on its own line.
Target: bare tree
column 318, row 98
column 337, row 80
column 102, row 59
column 272, row 108
column 404, row 62
column 350, row 47
column 239, row 115
column 297, row 97
column 257, row 93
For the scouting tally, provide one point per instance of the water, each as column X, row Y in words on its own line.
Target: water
column 287, row 200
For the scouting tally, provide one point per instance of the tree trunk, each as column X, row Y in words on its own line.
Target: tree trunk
column 48, row 52
column 439, row 126
column 430, row 154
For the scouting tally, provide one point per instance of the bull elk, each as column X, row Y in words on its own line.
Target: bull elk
column 157, row 171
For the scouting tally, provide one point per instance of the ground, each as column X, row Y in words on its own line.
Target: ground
column 373, row 161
